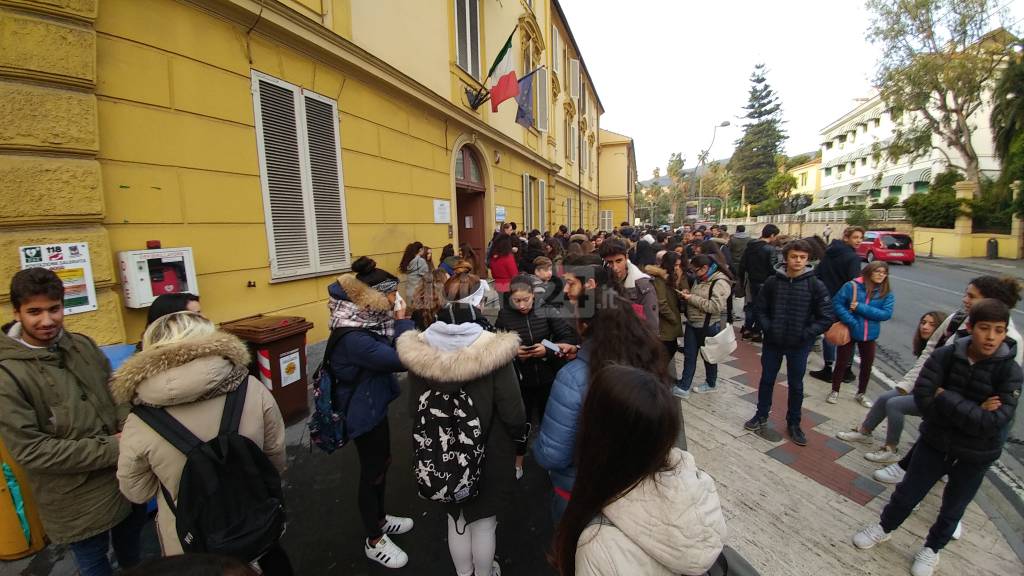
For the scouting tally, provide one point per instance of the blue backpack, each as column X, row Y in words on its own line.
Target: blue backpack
column 328, row 426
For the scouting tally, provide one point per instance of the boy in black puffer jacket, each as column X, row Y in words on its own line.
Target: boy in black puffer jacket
column 793, row 308
column 967, row 393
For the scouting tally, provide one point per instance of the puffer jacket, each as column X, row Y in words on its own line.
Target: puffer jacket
column 954, row 421
column 737, row 246
column 190, row 380
column 450, row 357
column 640, row 291
column 366, row 358
column 533, row 328
column 58, row 421
column 865, row 323
column 757, row 264
column 555, row 447
column 793, row 312
column 840, row 265
column 670, row 324
column 703, row 303
column 418, row 270
column 667, row 525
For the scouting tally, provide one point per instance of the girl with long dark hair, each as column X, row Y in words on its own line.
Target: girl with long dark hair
column 503, row 262
column 653, row 512
column 862, row 304
column 415, row 267
column 665, row 278
column 605, row 320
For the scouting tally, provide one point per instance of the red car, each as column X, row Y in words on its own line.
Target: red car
column 887, row 247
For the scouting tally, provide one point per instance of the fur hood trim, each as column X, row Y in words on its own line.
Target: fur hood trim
column 155, row 361
column 362, row 295
column 490, row 351
column 658, row 271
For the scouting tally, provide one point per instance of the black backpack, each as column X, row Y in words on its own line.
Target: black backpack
column 449, row 446
column 230, row 500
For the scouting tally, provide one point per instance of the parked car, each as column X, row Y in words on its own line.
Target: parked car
column 887, row 247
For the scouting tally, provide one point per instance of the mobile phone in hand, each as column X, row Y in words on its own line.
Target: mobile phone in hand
column 551, row 346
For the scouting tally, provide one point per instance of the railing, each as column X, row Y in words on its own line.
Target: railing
column 878, row 215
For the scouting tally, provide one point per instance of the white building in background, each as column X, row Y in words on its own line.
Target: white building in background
column 851, row 175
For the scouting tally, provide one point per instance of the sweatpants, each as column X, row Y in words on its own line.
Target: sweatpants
column 844, row 356
column 374, row 449
column 472, row 545
column 891, row 406
column 927, row 466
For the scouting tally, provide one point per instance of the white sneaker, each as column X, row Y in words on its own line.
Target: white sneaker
column 833, row 397
column 495, row 568
column 855, row 436
column 868, row 537
column 396, row 524
column 883, row 455
column 863, row 400
column 959, row 530
column 386, row 552
column 945, row 477
column 925, row 562
column 891, row 474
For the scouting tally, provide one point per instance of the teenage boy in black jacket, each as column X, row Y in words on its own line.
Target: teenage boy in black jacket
column 756, row 267
column 967, row 393
column 793, row 308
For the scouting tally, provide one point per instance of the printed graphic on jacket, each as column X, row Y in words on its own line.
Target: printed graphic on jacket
column 449, row 448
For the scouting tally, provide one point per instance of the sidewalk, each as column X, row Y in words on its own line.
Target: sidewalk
column 997, row 267
column 793, row 510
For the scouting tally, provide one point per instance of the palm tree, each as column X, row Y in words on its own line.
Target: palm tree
column 1007, row 118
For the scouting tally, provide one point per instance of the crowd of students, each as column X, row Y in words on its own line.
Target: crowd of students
column 583, row 358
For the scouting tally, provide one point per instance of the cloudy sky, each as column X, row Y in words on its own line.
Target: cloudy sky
column 668, row 71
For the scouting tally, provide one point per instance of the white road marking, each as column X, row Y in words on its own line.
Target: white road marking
column 947, row 290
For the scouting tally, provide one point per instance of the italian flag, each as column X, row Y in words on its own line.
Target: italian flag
column 503, row 77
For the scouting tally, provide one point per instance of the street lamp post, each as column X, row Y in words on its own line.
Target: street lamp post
column 701, row 159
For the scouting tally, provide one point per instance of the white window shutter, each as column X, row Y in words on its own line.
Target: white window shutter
column 542, row 202
column 542, row 99
column 556, row 50
column 279, row 145
column 584, row 156
column 568, row 214
column 574, row 78
column 326, row 184
column 527, row 203
column 574, row 145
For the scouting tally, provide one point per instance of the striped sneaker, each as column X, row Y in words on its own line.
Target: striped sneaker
column 386, row 552
column 396, row 525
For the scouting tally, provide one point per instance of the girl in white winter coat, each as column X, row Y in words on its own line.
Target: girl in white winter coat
column 653, row 512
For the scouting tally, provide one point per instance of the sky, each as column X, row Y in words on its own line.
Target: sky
column 669, row 71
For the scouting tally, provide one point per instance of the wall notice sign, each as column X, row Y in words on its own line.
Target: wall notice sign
column 499, row 213
column 442, row 212
column 290, row 369
column 72, row 265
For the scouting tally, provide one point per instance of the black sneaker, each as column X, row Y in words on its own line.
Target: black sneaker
column 825, row 374
column 797, row 435
column 755, row 423
column 756, row 337
column 849, row 376
column 744, row 334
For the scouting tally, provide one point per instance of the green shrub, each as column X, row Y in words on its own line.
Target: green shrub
column 992, row 210
column 888, row 203
column 859, row 217
column 936, row 209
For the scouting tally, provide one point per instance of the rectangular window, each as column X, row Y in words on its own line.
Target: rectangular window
column 828, row 145
column 542, row 205
column 299, row 152
column 574, row 78
column 467, row 36
column 527, row 202
column 556, row 51
column 574, row 141
column 542, row 95
column 606, row 221
column 828, row 171
column 568, row 213
column 583, row 100
column 803, row 179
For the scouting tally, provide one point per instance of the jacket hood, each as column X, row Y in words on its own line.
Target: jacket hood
column 450, row 369
column 349, row 288
column 652, row 271
column 838, row 247
column 1008, row 349
column 12, row 349
column 780, row 271
column 632, row 275
column 669, row 516
column 182, row 373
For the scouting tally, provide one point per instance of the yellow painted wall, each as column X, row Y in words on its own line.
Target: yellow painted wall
column 950, row 244
column 411, row 36
column 812, row 170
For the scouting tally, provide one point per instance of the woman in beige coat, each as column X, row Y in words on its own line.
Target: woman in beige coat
column 187, row 367
column 704, row 304
column 652, row 513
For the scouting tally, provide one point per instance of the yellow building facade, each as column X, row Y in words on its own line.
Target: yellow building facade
column 617, row 177
column 280, row 139
column 808, row 178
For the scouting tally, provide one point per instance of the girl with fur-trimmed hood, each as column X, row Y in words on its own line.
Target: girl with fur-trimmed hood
column 187, row 367
column 364, row 302
column 458, row 353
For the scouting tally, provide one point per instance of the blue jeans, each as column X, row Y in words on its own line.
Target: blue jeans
column 91, row 554
column 693, row 339
column 796, row 365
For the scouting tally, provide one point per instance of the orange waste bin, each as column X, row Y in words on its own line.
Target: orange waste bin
column 13, row 543
column 278, row 347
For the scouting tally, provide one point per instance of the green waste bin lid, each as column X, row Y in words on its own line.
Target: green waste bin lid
column 263, row 329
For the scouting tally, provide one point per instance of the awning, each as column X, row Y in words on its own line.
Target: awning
column 888, row 181
column 897, row 180
column 919, row 175
column 866, row 185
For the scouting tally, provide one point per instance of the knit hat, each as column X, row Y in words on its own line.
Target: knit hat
column 367, row 272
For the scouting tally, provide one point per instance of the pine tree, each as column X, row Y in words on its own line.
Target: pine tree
column 753, row 162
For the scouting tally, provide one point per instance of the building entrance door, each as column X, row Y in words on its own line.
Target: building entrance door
column 469, row 205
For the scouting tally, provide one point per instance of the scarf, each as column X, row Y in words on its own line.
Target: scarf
column 345, row 314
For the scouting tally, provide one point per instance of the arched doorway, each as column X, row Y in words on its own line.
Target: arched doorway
column 469, row 202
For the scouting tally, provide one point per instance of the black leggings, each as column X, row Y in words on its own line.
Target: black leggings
column 374, row 450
